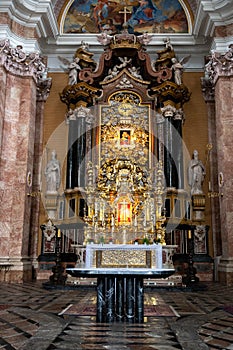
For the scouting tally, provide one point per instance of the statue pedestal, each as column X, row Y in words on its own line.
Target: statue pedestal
column 198, row 203
column 51, row 204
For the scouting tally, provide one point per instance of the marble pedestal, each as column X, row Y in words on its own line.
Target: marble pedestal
column 120, row 291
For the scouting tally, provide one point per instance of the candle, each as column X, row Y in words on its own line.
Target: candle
column 59, row 233
column 189, row 234
column 209, row 186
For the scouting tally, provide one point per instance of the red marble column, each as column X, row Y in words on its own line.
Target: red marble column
column 43, row 89
column 2, row 99
column 17, row 159
column 209, row 96
column 220, row 73
column 224, row 123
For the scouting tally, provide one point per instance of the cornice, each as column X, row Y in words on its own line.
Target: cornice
column 212, row 14
column 36, row 14
column 30, row 45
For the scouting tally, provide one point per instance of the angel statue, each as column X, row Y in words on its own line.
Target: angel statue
column 178, row 68
column 73, row 68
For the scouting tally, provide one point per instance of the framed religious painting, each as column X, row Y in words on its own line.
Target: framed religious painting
column 125, row 138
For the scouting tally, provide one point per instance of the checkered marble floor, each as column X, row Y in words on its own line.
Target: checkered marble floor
column 29, row 320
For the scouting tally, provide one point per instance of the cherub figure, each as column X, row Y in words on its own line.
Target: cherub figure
column 135, row 72
column 124, row 62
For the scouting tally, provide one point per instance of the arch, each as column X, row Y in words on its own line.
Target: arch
column 95, row 16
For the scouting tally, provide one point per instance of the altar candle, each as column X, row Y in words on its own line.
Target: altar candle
column 189, row 234
column 101, row 214
column 147, row 212
column 96, row 208
column 59, row 233
column 209, row 186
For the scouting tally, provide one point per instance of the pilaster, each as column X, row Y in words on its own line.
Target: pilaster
column 23, row 73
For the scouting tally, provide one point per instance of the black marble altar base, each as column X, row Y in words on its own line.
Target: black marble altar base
column 120, row 299
column 120, row 292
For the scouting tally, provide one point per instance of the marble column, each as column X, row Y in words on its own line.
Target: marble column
column 79, row 121
column 208, row 92
column 18, row 114
column 173, row 154
column 219, row 71
column 43, row 89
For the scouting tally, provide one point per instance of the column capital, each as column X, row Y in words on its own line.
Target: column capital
column 43, row 89
column 208, row 89
column 219, row 65
column 173, row 113
column 16, row 61
column 79, row 112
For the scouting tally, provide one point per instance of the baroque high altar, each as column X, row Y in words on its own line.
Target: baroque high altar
column 126, row 160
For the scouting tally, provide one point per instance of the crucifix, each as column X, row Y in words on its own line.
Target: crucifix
column 126, row 11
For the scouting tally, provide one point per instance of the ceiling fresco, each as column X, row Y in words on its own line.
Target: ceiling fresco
column 151, row 16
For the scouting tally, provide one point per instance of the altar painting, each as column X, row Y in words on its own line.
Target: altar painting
column 124, row 212
column 152, row 16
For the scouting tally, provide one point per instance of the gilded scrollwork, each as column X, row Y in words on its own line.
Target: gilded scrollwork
column 111, row 174
column 124, row 131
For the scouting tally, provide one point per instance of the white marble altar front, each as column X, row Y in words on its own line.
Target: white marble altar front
column 154, row 256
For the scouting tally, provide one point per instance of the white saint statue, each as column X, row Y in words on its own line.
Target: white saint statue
column 53, row 173
column 196, row 174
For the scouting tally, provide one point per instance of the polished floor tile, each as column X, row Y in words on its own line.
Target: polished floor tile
column 30, row 320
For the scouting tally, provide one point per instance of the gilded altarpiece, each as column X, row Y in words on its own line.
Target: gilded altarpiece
column 130, row 108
